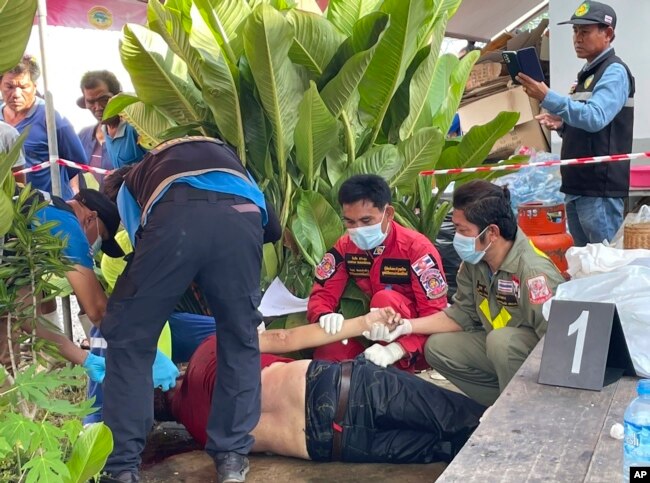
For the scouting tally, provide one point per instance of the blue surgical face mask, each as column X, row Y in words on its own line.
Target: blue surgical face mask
column 466, row 248
column 368, row 237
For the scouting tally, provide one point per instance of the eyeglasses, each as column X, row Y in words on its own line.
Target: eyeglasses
column 102, row 100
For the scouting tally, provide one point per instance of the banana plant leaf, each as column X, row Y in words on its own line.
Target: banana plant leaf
column 316, row 227
column 16, row 20
column 396, row 50
column 160, row 77
column 315, row 41
column 418, row 153
column 220, row 86
column 345, row 13
column 315, row 135
column 268, row 36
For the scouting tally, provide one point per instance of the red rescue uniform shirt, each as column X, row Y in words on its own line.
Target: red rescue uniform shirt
column 407, row 263
column 192, row 402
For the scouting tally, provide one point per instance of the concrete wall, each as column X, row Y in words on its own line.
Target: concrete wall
column 631, row 44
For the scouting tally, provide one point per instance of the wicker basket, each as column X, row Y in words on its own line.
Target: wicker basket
column 636, row 236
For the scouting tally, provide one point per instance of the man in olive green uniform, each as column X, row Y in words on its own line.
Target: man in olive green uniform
column 495, row 321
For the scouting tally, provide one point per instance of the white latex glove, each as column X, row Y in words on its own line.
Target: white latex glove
column 384, row 355
column 379, row 332
column 261, row 328
column 331, row 323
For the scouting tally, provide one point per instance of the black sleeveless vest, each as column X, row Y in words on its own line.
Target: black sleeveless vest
column 602, row 179
column 189, row 156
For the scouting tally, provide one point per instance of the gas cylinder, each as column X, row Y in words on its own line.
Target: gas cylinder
column 545, row 226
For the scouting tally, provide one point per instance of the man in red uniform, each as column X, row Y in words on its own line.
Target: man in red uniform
column 396, row 267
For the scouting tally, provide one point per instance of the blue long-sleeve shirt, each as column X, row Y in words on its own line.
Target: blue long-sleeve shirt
column 607, row 99
column 131, row 214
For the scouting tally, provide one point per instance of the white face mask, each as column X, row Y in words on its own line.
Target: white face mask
column 368, row 237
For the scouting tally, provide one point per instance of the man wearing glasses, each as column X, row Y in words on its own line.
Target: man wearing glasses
column 113, row 142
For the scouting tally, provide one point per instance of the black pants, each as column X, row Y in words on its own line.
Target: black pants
column 392, row 416
column 216, row 241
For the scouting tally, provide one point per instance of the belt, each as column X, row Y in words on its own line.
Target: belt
column 182, row 192
column 337, row 424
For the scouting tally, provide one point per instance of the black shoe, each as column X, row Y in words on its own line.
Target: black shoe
column 123, row 477
column 231, row 467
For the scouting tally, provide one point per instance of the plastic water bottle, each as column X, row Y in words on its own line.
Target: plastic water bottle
column 636, row 445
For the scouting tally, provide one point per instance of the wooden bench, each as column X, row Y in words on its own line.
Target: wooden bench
column 539, row 433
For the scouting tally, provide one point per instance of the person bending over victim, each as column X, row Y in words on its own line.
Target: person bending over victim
column 353, row 411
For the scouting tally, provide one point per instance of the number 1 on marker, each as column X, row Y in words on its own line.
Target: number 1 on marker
column 580, row 326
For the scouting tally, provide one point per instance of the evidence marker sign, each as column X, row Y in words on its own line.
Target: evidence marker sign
column 584, row 346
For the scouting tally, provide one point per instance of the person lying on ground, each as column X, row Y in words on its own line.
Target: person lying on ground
column 353, row 411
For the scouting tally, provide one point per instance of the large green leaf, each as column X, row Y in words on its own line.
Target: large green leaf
column 226, row 19
column 89, row 453
column 383, row 160
column 257, row 130
column 220, row 85
column 159, row 76
column 9, row 158
column 445, row 7
column 118, row 104
column 16, row 20
column 343, row 86
column 267, row 40
column 396, row 50
column 320, row 225
column 345, row 13
column 420, row 84
column 441, row 8
column 168, row 23
column 419, row 152
column 6, row 213
column 148, row 121
column 315, row 135
column 315, row 41
column 476, row 144
column 445, row 115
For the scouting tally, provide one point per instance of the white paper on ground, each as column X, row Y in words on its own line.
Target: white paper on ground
column 277, row 300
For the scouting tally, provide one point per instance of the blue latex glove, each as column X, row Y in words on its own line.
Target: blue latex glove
column 165, row 372
column 95, row 367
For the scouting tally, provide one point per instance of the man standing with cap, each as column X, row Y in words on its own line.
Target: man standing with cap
column 596, row 119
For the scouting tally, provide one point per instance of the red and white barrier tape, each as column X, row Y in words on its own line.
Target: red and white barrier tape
column 63, row 162
column 561, row 162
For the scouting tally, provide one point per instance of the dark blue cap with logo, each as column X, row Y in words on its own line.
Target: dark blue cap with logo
column 589, row 13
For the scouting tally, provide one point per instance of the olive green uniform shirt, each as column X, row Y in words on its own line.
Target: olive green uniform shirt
column 513, row 296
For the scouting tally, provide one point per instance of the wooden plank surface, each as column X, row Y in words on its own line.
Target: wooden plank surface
column 607, row 462
column 536, row 433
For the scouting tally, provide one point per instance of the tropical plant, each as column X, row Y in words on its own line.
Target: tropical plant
column 16, row 20
column 308, row 100
column 41, row 435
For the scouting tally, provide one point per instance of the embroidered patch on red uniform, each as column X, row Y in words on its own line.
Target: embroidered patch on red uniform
column 433, row 283
column 422, row 264
column 538, row 290
column 326, row 267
